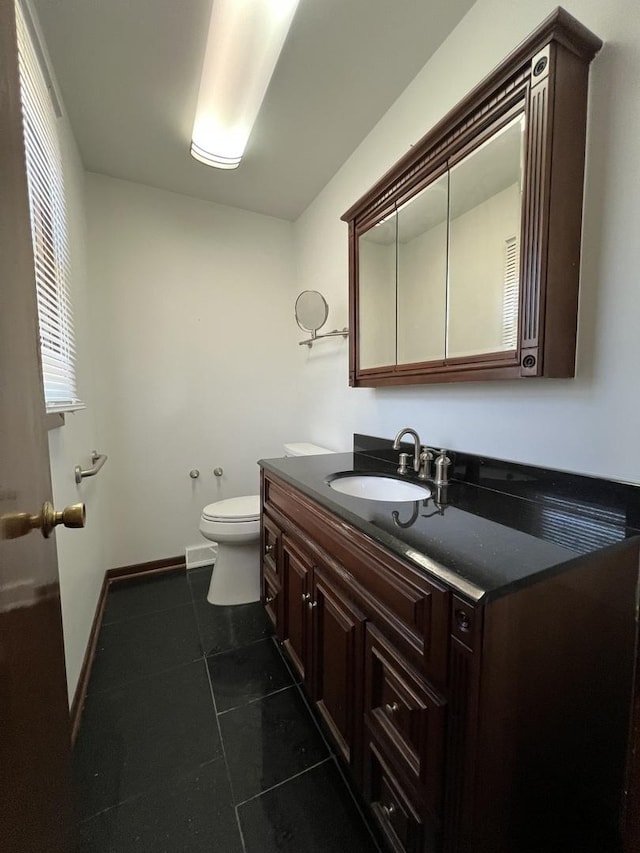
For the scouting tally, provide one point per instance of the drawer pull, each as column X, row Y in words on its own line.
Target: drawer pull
column 388, row 811
column 391, row 707
column 269, row 549
column 269, row 599
column 306, row 596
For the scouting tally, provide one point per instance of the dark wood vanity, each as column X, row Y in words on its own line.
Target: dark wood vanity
column 472, row 715
column 464, row 258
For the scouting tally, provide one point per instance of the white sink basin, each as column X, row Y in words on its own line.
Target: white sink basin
column 379, row 488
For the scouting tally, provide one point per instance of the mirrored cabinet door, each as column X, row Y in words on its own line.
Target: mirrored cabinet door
column 484, row 244
column 472, row 272
column 377, row 293
column 422, row 274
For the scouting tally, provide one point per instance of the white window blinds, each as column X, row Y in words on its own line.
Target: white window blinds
column 510, row 294
column 48, row 227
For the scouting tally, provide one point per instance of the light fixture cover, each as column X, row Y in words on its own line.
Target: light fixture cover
column 244, row 42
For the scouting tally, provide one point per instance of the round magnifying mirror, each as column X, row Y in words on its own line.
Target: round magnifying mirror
column 311, row 311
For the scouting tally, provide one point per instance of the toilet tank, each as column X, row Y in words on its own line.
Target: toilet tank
column 303, row 448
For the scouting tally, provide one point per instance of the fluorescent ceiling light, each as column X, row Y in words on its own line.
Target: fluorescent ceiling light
column 244, row 43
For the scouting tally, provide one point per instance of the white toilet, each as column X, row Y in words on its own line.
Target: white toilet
column 234, row 524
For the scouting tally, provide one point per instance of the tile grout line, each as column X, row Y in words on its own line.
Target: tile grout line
column 332, row 752
column 257, row 699
column 124, row 684
column 183, row 774
column 284, row 781
column 224, row 753
column 237, row 648
column 216, row 715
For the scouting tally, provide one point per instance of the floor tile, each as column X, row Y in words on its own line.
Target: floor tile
column 269, row 741
column 312, row 812
column 251, row 672
column 192, row 814
column 138, row 647
column 127, row 599
column 199, row 580
column 223, row 628
column 135, row 735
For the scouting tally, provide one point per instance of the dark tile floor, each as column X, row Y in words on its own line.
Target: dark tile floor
column 195, row 736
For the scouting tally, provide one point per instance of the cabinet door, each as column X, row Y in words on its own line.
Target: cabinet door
column 297, row 570
column 338, row 642
column 270, row 541
column 271, row 599
column 270, row 572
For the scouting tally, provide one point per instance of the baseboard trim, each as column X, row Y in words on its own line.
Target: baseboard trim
column 154, row 567
column 111, row 576
column 75, row 712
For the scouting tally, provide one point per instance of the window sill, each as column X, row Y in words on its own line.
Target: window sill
column 54, row 420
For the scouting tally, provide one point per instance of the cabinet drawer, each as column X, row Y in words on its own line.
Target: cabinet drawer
column 393, row 807
column 406, row 715
column 270, row 546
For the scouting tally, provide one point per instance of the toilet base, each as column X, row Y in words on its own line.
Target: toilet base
column 236, row 574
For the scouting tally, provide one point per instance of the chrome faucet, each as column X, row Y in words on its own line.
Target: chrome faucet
column 416, row 450
column 422, row 459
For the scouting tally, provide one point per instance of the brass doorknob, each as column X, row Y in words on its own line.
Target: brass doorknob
column 15, row 524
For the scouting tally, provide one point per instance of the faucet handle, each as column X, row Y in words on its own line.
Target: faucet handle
column 442, row 469
column 426, row 458
column 403, row 461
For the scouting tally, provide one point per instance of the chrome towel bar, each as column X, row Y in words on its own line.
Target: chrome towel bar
column 98, row 460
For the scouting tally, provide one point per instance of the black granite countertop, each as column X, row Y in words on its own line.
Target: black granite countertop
column 498, row 526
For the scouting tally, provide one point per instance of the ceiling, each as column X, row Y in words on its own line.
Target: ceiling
column 129, row 72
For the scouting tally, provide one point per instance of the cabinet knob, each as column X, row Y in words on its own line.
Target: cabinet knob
column 306, row 596
column 312, row 604
column 462, row 620
column 269, row 549
column 388, row 811
column 269, row 599
column 391, row 707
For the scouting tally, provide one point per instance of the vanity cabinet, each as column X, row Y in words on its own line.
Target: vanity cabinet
column 468, row 726
column 464, row 257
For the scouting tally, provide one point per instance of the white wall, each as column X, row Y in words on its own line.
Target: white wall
column 192, row 313
column 80, row 552
column 589, row 424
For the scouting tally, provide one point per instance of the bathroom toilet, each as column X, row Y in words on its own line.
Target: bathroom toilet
column 234, row 523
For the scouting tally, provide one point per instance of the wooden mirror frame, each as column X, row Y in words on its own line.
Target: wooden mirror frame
column 546, row 77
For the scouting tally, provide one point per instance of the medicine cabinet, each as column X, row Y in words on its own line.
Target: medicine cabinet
column 464, row 258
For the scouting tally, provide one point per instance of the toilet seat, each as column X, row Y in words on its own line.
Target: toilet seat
column 233, row 510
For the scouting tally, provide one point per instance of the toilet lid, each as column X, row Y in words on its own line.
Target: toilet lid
column 234, row 509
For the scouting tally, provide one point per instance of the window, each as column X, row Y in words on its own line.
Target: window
column 48, row 225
